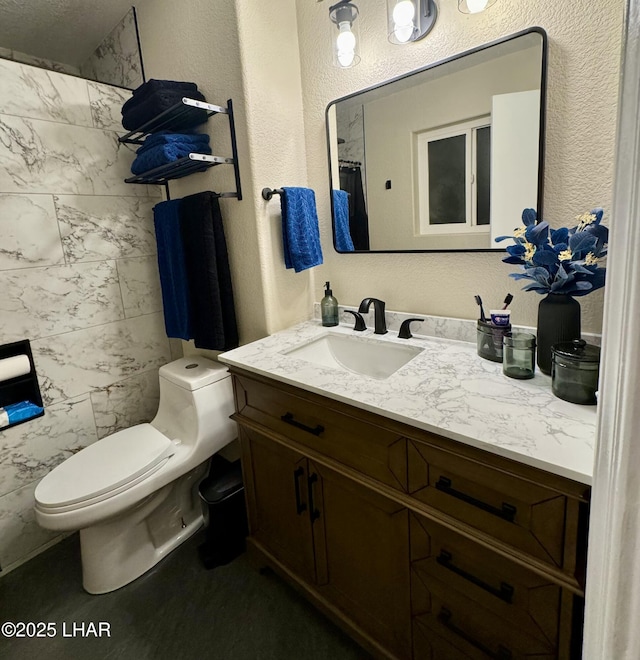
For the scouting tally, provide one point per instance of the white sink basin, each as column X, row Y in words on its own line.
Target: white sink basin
column 367, row 357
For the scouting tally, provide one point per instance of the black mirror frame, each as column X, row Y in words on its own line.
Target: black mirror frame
column 541, row 139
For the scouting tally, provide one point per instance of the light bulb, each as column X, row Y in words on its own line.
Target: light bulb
column 476, row 6
column 346, row 39
column 403, row 13
column 345, row 45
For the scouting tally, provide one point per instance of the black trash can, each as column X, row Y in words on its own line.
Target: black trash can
column 223, row 492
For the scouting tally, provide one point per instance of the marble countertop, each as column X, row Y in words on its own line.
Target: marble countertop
column 446, row 389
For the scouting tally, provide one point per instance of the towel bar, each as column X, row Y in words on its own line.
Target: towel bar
column 268, row 193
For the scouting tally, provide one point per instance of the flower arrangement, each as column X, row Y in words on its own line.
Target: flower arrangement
column 563, row 261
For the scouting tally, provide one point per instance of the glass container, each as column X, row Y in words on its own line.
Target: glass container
column 519, row 355
column 489, row 340
column 574, row 371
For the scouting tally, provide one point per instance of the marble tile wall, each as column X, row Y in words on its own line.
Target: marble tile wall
column 350, row 125
column 78, row 277
column 60, row 67
column 117, row 59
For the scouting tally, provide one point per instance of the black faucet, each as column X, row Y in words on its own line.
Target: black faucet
column 405, row 328
column 378, row 308
column 360, row 325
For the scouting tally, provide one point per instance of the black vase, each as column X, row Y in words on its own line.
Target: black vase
column 558, row 321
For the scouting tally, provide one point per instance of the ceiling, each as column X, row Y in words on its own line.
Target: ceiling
column 66, row 31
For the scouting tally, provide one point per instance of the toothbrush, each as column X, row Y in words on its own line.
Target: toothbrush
column 479, row 301
column 507, row 301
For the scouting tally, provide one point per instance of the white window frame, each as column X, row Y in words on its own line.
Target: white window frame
column 421, row 142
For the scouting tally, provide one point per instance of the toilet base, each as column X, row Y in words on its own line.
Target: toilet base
column 121, row 549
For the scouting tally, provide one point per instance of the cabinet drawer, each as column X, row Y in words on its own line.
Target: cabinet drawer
column 524, row 514
column 526, row 600
column 441, row 613
column 310, row 421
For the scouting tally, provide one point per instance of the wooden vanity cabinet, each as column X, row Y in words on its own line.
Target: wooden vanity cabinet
column 347, row 544
column 420, row 547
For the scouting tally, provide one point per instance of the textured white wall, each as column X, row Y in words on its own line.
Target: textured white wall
column 246, row 51
column 584, row 62
column 197, row 41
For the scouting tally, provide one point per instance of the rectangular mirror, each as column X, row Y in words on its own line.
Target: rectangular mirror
column 444, row 158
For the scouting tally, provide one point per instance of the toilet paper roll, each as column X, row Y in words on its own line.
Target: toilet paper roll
column 15, row 366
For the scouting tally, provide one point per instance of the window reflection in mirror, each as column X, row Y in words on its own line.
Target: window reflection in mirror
column 445, row 158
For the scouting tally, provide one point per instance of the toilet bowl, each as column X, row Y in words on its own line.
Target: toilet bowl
column 134, row 494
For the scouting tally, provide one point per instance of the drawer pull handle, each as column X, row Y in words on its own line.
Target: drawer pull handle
column 314, row 514
column 505, row 592
column 289, row 419
column 301, row 507
column 507, row 512
column 502, row 653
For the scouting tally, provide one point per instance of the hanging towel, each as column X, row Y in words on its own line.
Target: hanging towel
column 156, row 96
column 342, row 236
column 213, row 313
column 173, row 273
column 351, row 181
column 300, row 232
column 164, row 154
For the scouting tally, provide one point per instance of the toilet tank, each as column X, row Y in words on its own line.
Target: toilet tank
column 196, row 400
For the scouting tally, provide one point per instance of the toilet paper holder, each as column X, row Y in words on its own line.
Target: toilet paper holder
column 23, row 387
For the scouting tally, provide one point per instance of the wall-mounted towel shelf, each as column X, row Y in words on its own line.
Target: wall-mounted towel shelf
column 192, row 163
column 174, row 119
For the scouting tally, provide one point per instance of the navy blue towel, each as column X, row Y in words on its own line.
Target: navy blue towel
column 164, row 154
column 154, row 86
column 198, row 140
column 156, row 96
column 342, row 237
column 211, row 293
column 300, row 231
column 173, row 273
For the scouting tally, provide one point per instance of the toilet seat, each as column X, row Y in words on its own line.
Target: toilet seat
column 105, row 468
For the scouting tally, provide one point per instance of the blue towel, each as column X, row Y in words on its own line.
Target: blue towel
column 342, row 237
column 164, row 154
column 300, row 231
column 198, row 140
column 173, row 272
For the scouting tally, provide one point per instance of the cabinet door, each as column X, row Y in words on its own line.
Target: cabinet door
column 276, row 487
column 362, row 556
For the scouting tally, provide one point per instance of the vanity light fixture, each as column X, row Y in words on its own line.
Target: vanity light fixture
column 344, row 34
column 410, row 20
column 474, row 6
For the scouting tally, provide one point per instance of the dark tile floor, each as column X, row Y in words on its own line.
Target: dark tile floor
column 177, row 611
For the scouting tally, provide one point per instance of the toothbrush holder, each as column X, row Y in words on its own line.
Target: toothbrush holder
column 489, row 340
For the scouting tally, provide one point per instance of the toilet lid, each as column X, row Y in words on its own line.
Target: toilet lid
column 104, row 466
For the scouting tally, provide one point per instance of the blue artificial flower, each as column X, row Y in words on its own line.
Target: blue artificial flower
column 563, row 261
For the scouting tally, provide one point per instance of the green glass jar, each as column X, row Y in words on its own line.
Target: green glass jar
column 575, row 369
column 519, row 355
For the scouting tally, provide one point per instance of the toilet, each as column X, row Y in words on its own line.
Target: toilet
column 134, row 494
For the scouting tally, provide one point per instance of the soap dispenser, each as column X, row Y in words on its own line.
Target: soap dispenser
column 329, row 307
